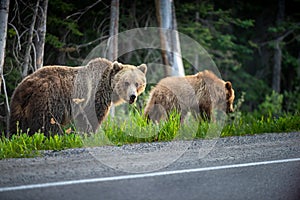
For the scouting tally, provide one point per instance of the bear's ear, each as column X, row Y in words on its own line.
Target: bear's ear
column 228, row 85
column 117, row 66
column 143, row 68
column 199, row 74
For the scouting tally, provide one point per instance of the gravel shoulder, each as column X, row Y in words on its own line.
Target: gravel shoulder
column 83, row 163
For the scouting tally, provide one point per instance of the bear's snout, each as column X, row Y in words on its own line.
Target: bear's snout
column 132, row 98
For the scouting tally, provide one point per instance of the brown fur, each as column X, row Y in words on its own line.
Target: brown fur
column 54, row 96
column 200, row 93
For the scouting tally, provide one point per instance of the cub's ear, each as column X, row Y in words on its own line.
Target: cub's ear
column 117, row 66
column 228, row 85
column 199, row 74
column 143, row 68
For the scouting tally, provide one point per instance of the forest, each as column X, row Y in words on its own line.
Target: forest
column 254, row 44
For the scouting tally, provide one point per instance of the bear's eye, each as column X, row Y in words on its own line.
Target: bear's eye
column 126, row 84
column 136, row 85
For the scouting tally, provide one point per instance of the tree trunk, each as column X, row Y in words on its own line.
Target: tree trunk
column 41, row 33
column 277, row 49
column 169, row 39
column 4, row 8
column 27, row 57
column 112, row 46
column 112, row 51
column 277, row 67
column 163, row 13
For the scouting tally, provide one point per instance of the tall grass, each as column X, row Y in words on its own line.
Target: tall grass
column 136, row 129
column 22, row 145
column 250, row 124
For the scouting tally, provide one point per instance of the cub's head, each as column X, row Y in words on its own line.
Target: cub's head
column 229, row 97
column 128, row 83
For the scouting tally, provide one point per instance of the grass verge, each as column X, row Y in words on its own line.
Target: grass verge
column 135, row 129
column 249, row 125
column 23, row 146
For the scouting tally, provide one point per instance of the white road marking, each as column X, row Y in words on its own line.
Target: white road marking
column 146, row 175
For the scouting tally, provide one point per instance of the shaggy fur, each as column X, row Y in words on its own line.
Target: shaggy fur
column 200, row 93
column 55, row 96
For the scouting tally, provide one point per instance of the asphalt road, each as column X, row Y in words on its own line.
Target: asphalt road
column 253, row 167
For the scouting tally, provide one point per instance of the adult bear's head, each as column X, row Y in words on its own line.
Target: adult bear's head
column 128, row 83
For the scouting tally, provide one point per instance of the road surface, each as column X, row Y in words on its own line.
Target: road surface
column 253, row 167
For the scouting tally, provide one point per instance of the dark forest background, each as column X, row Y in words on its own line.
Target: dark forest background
column 248, row 40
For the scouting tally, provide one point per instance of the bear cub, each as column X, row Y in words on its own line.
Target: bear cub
column 201, row 94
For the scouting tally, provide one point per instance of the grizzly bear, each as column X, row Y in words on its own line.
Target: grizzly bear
column 55, row 96
column 200, row 94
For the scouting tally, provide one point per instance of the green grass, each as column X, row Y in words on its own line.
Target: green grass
column 249, row 124
column 135, row 129
column 22, row 145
